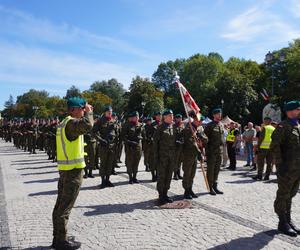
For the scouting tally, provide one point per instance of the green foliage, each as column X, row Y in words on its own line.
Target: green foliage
column 73, row 91
column 97, row 100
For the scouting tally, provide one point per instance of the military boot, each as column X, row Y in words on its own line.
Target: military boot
column 67, row 245
column 217, row 191
column 108, row 183
column 193, row 194
column 284, row 227
column 187, row 194
column 175, row 177
column 212, row 191
column 85, row 173
column 103, row 182
column 90, row 175
column 291, row 223
column 257, row 177
column 147, row 168
column 154, row 176
column 135, row 180
column 178, row 174
column 130, row 179
column 161, row 199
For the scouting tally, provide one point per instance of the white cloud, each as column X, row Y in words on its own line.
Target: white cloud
column 295, row 8
column 28, row 66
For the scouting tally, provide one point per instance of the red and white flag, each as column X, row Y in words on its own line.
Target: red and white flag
column 188, row 101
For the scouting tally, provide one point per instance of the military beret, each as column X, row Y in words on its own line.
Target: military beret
column 292, row 105
column 133, row 114
column 114, row 114
column 168, row 112
column 268, row 118
column 108, row 108
column 216, row 111
column 178, row 116
column 149, row 118
column 76, row 102
column 157, row 113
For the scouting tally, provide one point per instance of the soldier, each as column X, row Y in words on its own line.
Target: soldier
column 152, row 160
column 178, row 128
column 132, row 136
column 215, row 134
column 285, row 148
column 106, row 132
column 118, row 145
column 147, row 142
column 194, row 139
column 231, row 142
column 164, row 146
column 264, row 153
column 90, row 150
column 70, row 160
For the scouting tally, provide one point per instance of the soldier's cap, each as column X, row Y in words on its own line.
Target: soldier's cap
column 157, row 113
column 108, row 108
column 133, row 114
column 76, row 102
column 292, row 105
column 168, row 112
column 114, row 114
column 216, row 111
column 149, row 118
column 178, row 116
column 267, row 118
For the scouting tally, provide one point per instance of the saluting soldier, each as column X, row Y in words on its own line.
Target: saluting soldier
column 178, row 128
column 132, row 134
column 164, row 153
column 194, row 140
column 106, row 131
column 285, row 148
column 214, row 150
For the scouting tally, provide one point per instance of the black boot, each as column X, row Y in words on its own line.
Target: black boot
column 67, row 245
column 212, row 191
column 167, row 198
column 178, row 174
column 253, row 167
column 90, row 175
column 161, row 200
column 135, row 180
column 193, row 194
column 217, row 191
column 187, row 194
column 257, row 177
column 267, row 177
column 53, row 245
column 175, row 177
column 130, row 179
column 284, row 227
column 103, row 182
column 85, row 173
column 147, row 168
column 154, row 176
column 291, row 223
column 108, row 183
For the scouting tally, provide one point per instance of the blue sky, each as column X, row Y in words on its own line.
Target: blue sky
column 53, row 44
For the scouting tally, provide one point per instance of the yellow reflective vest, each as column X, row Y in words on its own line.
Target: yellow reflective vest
column 70, row 154
column 269, row 129
column 230, row 136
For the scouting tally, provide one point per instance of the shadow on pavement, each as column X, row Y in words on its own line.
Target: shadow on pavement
column 119, row 208
column 242, row 181
column 258, row 241
column 42, row 181
column 33, row 168
column 30, row 163
column 51, row 192
column 48, row 172
column 38, row 247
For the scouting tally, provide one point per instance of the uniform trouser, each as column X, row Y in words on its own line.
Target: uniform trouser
column 262, row 155
column 119, row 150
column 189, row 170
column 90, row 149
column 178, row 158
column 231, row 154
column 68, row 188
column 133, row 156
column 107, row 160
column 288, row 186
column 152, row 160
column 147, row 154
column 225, row 155
column 213, row 167
column 165, row 170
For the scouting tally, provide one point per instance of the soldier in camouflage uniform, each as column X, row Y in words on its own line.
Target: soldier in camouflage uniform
column 90, row 150
column 147, row 142
column 132, row 134
column 106, row 132
column 194, row 140
column 214, row 150
column 178, row 128
column 164, row 152
column 70, row 180
column 285, row 148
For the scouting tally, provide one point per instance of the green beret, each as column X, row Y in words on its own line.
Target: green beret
column 268, row 118
column 114, row 114
column 76, row 102
column 178, row 116
column 292, row 105
column 149, row 118
column 216, row 111
column 157, row 113
column 133, row 114
column 202, row 118
column 108, row 108
column 168, row 112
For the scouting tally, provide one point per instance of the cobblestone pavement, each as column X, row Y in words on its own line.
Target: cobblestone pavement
column 125, row 217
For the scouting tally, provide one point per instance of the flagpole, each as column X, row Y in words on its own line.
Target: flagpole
column 192, row 130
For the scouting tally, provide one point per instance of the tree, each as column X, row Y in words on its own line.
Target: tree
column 9, row 105
column 73, row 91
column 143, row 90
column 112, row 89
column 97, row 99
